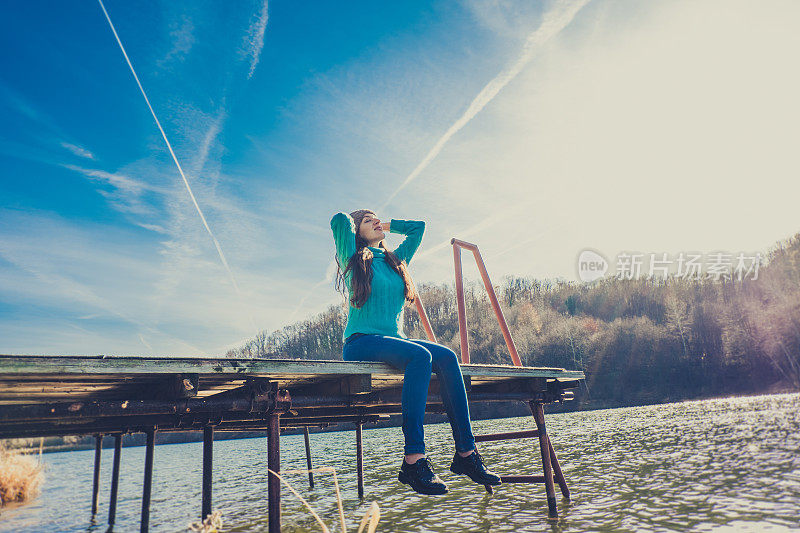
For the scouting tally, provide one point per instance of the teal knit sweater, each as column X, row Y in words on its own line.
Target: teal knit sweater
column 382, row 313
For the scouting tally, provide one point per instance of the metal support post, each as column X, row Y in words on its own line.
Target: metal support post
column 274, row 464
column 360, row 460
column 562, row 482
column 544, row 445
column 112, row 505
column 308, row 457
column 144, row 525
column 208, row 449
column 98, row 448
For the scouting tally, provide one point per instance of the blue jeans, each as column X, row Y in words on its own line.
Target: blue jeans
column 417, row 358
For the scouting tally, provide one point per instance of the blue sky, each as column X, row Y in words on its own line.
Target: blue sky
column 533, row 129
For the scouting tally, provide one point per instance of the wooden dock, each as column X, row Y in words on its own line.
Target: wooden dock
column 102, row 395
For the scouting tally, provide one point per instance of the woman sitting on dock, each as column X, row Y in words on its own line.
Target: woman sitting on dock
column 378, row 286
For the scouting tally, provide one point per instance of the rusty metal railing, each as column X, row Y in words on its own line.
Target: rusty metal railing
column 462, row 313
column 423, row 316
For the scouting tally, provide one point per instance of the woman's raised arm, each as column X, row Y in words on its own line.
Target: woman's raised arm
column 413, row 230
column 344, row 235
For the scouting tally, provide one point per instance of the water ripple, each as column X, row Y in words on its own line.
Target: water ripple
column 714, row 465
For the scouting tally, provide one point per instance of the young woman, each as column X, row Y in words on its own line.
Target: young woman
column 378, row 286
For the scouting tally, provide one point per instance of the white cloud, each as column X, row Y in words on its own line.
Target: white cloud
column 210, row 137
column 511, row 19
column 152, row 227
column 254, row 38
column 141, row 338
column 182, row 36
column 78, row 150
column 120, row 182
column 126, row 194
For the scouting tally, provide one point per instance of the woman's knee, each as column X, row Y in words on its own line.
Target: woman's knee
column 420, row 357
column 442, row 355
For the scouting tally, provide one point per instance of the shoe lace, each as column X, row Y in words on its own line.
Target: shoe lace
column 476, row 459
column 424, row 469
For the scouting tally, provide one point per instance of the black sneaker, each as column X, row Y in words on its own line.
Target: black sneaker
column 421, row 478
column 472, row 465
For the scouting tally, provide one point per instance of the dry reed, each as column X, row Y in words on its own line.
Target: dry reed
column 20, row 476
column 370, row 519
column 211, row 524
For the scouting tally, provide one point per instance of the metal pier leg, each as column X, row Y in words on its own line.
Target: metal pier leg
column 544, row 444
column 98, row 448
column 208, row 450
column 148, row 479
column 112, row 505
column 274, row 464
column 360, row 460
column 562, row 483
column 308, row 457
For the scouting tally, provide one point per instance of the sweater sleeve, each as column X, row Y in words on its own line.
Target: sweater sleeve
column 413, row 230
column 344, row 235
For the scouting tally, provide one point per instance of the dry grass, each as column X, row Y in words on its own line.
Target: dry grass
column 211, row 524
column 20, row 476
column 371, row 518
column 369, row 522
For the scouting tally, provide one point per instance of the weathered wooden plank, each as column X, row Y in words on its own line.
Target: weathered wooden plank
column 94, row 378
column 26, row 387
column 35, row 379
column 236, row 368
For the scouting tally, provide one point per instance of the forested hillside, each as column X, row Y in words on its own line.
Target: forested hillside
column 639, row 341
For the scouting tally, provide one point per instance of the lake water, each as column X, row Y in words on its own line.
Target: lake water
column 712, row 465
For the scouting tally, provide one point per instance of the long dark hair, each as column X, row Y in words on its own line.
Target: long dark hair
column 360, row 266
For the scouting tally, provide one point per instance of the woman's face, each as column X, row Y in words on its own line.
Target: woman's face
column 370, row 229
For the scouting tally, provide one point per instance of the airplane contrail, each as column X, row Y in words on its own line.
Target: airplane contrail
column 554, row 21
column 172, row 153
